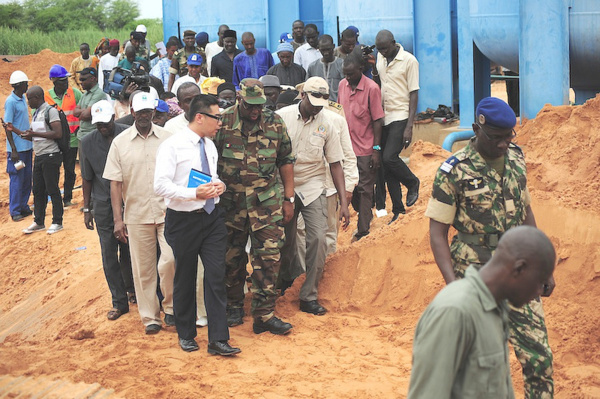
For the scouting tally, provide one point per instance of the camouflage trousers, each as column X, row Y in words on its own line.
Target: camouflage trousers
column 265, row 249
column 529, row 338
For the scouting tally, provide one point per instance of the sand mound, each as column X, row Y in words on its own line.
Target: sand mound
column 54, row 302
column 36, row 67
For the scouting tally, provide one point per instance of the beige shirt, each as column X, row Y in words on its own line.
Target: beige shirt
column 349, row 162
column 132, row 160
column 398, row 79
column 314, row 144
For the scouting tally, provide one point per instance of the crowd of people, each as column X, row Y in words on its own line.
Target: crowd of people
column 209, row 154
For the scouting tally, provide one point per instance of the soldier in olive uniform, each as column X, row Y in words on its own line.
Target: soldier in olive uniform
column 253, row 146
column 482, row 192
column 179, row 62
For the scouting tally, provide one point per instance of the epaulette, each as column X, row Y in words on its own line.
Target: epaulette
column 516, row 147
column 335, row 105
column 449, row 164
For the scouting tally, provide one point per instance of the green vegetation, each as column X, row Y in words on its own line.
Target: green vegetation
column 25, row 41
column 61, row 25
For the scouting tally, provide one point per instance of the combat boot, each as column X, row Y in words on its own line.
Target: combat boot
column 274, row 325
column 235, row 316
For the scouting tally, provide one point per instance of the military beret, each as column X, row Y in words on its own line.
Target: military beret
column 494, row 112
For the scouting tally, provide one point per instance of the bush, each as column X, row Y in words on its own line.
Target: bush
column 24, row 41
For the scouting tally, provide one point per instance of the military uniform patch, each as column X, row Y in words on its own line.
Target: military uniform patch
column 475, row 183
column 449, row 164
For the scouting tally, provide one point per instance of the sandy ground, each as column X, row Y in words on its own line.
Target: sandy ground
column 54, row 299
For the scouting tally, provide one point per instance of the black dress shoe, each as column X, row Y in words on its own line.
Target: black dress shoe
column 26, row 212
column 413, row 194
column 169, row 320
column 17, row 218
column 313, row 307
column 235, row 316
column 153, row 329
column 188, row 345
column 222, row 348
column 274, row 325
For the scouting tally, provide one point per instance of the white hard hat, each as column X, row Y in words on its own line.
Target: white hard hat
column 141, row 29
column 18, row 77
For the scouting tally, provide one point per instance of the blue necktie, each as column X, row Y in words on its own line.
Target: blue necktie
column 210, row 203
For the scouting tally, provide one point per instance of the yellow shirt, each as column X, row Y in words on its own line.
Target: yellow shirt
column 132, row 160
column 77, row 65
column 398, row 79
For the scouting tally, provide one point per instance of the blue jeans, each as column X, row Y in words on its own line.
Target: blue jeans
column 20, row 183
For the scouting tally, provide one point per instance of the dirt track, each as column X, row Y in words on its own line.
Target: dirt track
column 54, row 299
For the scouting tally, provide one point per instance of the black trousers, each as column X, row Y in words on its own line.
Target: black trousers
column 191, row 234
column 395, row 171
column 46, row 171
column 69, row 160
column 110, row 248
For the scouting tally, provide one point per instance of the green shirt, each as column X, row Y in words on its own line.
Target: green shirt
column 74, row 141
column 460, row 346
column 88, row 99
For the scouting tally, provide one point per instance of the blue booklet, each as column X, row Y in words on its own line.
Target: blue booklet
column 198, row 178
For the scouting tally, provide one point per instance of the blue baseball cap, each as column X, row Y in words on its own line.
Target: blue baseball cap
column 494, row 112
column 194, row 59
column 285, row 38
column 162, row 106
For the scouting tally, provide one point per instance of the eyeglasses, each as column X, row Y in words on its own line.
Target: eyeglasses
column 315, row 94
column 218, row 118
column 251, row 106
column 498, row 139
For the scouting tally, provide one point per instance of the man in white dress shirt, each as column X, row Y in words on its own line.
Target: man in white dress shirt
column 186, row 176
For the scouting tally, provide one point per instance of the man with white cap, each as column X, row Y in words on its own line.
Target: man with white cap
column 130, row 168
column 316, row 143
column 287, row 71
column 18, row 151
column 97, row 203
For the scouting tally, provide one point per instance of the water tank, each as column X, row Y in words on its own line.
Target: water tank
column 370, row 17
column 496, row 32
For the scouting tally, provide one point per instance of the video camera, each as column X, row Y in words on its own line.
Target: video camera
column 368, row 50
column 119, row 78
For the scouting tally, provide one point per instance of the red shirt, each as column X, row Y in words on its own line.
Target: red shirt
column 362, row 106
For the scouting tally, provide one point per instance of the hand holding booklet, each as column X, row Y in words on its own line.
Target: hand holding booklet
column 198, row 178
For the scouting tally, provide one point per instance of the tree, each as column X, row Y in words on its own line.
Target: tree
column 121, row 12
column 12, row 15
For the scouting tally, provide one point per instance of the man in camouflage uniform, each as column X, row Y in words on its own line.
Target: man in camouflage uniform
column 179, row 61
column 252, row 144
column 482, row 192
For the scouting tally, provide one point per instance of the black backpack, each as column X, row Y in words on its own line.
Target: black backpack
column 64, row 142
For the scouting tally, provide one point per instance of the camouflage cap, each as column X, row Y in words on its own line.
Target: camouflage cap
column 252, row 91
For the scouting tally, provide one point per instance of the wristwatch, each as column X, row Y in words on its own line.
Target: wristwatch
column 289, row 199
column 377, row 147
column 86, row 210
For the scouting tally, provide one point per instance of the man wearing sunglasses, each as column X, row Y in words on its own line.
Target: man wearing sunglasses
column 315, row 137
column 254, row 148
column 88, row 77
column 482, row 192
